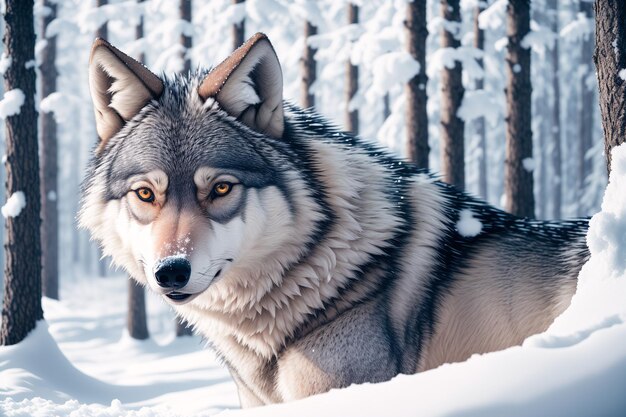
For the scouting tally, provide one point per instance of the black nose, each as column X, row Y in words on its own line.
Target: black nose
column 172, row 272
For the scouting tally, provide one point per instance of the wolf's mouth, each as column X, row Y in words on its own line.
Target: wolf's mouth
column 177, row 296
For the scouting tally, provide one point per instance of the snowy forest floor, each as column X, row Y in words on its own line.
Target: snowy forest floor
column 96, row 362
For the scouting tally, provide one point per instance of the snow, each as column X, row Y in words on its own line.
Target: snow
column 81, row 362
column 528, row 164
column 579, row 29
column 5, row 63
column 622, row 74
column 468, row 225
column 14, row 205
column 392, row 69
column 11, row 103
column 481, row 103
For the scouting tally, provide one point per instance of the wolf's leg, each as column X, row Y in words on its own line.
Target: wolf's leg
column 353, row 348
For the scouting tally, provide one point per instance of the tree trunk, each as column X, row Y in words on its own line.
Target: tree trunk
column 587, row 104
column 22, row 283
column 239, row 30
column 49, row 165
column 610, row 60
column 518, row 181
column 309, row 72
column 557, row 166
column 352, row 79
column 136, row 320
column 416, row 99
column 185, row 41
column 102, row 32
column 479, row 43
column 452, row 91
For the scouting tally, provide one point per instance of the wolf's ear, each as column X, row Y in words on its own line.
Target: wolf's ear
column 120, row 88
column 249, row 86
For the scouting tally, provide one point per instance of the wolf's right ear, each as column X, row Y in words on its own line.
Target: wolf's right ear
column 120, row 87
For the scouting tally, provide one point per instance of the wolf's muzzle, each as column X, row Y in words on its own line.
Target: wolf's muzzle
column 172, row 273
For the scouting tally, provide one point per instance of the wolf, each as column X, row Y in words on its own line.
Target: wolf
column 310, row 258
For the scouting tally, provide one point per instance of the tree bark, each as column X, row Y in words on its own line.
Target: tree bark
column 352, row 79
column 22, row 284
column 518, row 181
column 49, row 164
column 136, row 320
column 309, row 70
column 452, row 91
column 239, row 30
column 102, row 32
column 416, row 98
column 479, row 43
column 557, row 165
column 587, row 104
column 185, row 41
column 610, row 59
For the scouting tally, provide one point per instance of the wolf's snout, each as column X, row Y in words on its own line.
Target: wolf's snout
column 172, row 272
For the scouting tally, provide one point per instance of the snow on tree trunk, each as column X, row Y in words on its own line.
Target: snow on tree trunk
column 585, row 120
column 49, row 164
column 136, row 320
column 610, row 60
column 479, row 43
column 352, row 80
column 518, row 181
column 452, row 127
column 557, row 168
column 185, row 41
column 416, row 96
column 22, row 284
column 239, row 30
column 309, row 73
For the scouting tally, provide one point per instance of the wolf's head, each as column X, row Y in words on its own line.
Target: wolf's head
column 193, row 181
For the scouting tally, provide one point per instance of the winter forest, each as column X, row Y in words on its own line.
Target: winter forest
column 501, row 98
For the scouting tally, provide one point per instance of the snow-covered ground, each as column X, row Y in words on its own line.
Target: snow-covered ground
column 82, row 364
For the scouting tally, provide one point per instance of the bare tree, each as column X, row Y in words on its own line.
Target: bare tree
column 352, row 79
column 309, row 71
column 22, row 284
column 452, row 92
column 185, row 41
column 610, row 60
column 557, row 165
column 136, row 320
column 479, row 43
column 416, row 97
column 239, row 30
column 49, row 164
column 518, row 179
column 587, row 104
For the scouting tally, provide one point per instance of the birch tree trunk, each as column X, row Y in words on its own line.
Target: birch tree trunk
column 557, row 165
column 22, row 283
column 185, row 41
column 518, row 181
column 479, row 43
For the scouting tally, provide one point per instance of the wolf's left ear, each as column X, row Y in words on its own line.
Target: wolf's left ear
column 249, row 86
column 120, row 87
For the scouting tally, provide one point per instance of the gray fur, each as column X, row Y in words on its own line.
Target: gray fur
column 366, row 275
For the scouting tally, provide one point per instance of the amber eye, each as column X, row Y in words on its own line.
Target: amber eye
column 145, row 194
column 222, row 188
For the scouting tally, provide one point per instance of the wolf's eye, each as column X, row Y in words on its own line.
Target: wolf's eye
column 145, row 194
column 222, row 188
